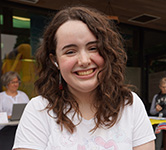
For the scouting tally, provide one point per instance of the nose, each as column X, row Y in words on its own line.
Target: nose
column 84, row 59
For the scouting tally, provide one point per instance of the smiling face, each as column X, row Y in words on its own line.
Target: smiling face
column 78, row 57
column 13, row 85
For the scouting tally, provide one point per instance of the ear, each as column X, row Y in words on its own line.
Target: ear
column 53, row 60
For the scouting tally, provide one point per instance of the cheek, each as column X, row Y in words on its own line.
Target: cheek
column 66, row 65
column 98, row 60
column 15, row 86
column 8, row 86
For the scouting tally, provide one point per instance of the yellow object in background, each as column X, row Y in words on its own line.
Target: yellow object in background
column 24, row 65
column 157, row 121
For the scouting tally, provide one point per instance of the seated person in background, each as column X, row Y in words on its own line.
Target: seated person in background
column 11, row 81
column 159, row 107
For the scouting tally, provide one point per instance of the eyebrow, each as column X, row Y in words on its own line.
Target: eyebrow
column 73, row 45
column 92, row 42
column 70, row 45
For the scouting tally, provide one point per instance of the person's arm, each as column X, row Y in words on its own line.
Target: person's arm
column 147, row 146
column 153, row 110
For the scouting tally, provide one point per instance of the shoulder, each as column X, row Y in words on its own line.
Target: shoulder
column 2, row 93
column 23, row 96
column 36, row 108
column 21, row 92
column 38, row 102
column 1, row 97
column 155, row 95
column 136, row 99
column 136, row 106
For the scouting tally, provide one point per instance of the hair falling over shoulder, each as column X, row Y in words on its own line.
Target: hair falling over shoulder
column 113, row 94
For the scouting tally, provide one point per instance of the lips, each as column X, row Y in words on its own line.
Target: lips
column 84, row 73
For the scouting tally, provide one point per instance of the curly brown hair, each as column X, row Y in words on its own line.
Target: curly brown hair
column 112, row 95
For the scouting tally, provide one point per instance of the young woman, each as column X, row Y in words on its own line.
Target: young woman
column 11, row 80
column 83, row 103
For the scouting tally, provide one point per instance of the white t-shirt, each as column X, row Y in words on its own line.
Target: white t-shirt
column 37, row 130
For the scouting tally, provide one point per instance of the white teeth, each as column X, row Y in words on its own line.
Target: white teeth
column 82, row 73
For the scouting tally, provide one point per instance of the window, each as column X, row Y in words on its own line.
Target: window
column 21, row 22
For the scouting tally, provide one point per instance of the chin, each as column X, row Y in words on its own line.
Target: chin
column 87, row 89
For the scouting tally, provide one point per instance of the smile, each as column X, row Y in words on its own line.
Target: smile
column 83, row 73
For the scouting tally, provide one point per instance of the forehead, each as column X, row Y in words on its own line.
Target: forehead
column 72, row 27
column 73, row 32
column 70, row 23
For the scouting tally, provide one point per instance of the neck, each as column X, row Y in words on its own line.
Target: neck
column 84, row 98
column 11, row 93
column 86, row 103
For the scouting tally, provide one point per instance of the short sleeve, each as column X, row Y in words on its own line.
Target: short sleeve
column 153, row 106
column 33, row 128
column 142, row 128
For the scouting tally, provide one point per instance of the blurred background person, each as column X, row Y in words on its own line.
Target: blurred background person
column 11, row 81
column 158, row 108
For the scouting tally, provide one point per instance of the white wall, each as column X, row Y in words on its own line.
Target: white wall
column 7, row 43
